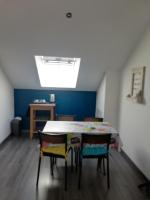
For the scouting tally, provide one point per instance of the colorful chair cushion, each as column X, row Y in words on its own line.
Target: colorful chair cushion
column 57, row 149
column 94, row 150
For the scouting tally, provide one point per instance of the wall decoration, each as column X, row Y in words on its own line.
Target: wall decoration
column 137, row 85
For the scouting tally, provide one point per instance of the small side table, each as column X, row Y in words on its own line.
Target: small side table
column 33, row 118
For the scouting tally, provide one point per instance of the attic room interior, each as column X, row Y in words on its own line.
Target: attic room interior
column 75, row 99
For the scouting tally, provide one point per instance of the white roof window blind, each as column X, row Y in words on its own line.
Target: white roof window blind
column 57, row 71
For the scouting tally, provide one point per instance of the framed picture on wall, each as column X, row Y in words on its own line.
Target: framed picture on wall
column 137, row 85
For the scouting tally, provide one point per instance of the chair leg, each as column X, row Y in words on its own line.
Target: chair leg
column 80, row 173
column 38, row 173
column 99, row 162
column 77, row 158
column 71, row 159
column 108, row 178
column 65, row 175
column 51, row 165
column 55, row 160
column 103, row 159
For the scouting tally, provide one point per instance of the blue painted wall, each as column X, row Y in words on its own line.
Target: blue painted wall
column 78, row 103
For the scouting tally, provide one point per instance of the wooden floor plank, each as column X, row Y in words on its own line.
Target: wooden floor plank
column 18, row 170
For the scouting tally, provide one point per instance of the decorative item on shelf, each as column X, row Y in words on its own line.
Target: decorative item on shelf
column 137, row 85
column 39, row 101
column 52, row 98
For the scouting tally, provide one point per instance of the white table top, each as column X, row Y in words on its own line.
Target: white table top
column 78, row 127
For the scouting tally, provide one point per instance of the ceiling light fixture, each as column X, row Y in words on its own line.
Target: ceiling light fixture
column 69, row 15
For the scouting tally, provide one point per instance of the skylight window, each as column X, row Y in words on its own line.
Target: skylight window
column 58, row 71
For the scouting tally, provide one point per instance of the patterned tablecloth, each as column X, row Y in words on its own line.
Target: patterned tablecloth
column 77, row 128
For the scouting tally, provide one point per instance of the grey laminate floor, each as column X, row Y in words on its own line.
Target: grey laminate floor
column 18, row 169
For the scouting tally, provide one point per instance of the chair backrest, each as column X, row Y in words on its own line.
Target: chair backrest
column 96, row 139
column 93, row 119
column 50, row 138
column 65, row 117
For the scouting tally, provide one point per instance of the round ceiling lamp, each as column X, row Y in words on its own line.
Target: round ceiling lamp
column 69, row 15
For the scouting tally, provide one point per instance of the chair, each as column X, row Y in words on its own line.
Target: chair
column 74, row 141
column 94, row 146
column 101, row 159
column 93, row 119
column 53, row 146
column 65, row 117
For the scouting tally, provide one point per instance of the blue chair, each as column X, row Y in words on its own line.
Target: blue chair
column 94, row 146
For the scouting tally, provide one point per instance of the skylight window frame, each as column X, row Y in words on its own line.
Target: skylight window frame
column 58, row 72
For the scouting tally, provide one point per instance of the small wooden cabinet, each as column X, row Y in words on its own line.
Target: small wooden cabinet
column 33, row 115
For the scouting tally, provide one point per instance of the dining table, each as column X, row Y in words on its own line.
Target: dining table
column 78, row 127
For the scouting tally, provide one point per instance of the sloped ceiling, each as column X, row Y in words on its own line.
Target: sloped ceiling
column 102, row 32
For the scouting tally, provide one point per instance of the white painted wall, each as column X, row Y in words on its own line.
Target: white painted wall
column 100, row 98
column 107, row 101
column 6, row 106
column 134, row 123
column 112, row 97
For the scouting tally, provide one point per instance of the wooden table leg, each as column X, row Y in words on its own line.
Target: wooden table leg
column 31, row 123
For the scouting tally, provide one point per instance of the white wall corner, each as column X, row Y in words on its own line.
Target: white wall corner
column 6, row 105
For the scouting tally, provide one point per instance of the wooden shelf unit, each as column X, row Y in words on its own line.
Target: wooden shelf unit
column 40, row 107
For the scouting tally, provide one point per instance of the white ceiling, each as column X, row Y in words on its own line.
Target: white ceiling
column 102, row 32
